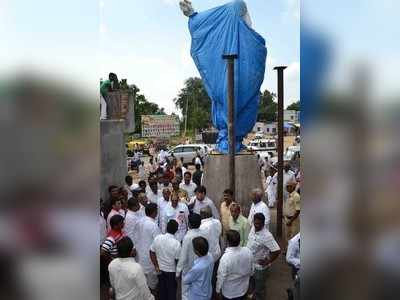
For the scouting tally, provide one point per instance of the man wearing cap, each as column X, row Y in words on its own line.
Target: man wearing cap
column 291, row 211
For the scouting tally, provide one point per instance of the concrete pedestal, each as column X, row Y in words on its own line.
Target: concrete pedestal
column 216, row 178
column 113, row 155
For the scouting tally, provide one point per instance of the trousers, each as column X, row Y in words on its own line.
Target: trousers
column 167, row 286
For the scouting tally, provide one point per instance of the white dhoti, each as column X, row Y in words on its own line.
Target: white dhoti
column 103, row 108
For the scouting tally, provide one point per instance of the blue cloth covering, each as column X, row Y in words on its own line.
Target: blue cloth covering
column 222, row 31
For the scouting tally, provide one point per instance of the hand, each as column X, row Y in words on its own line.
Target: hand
column 263, row 262
column 157, row 269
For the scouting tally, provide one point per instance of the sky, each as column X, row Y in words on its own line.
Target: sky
column 148, row 42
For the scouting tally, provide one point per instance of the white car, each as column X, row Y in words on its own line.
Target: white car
column 189, row 152
column 262, row 145
column 292, row 155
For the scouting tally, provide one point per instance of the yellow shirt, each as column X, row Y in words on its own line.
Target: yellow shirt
column 292, row 204
column 225, row 215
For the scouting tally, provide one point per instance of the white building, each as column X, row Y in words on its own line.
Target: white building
column 292, row 116
column 266, row 128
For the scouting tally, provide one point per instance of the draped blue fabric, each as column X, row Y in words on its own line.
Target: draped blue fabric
column 222, row 31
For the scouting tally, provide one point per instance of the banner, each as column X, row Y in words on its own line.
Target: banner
column 160, row 126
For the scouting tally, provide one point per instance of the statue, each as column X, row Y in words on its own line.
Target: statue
column 227, row 30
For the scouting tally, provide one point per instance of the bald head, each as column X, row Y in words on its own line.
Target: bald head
column 206, row 212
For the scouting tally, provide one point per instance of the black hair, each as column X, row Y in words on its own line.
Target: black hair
column 260, row 217
column 172, row 226
column 200, row 244
column 194, row 221
column 124, row 247
column 198, row 167
column 233, row 238
column 114, row 200
column 111, row 187
column 128, row 179
column 229, row 192
column 187, row 172
column 116, row 220
column 201, row 189
column 150, row 209
column 141, row 182
column 132, row 202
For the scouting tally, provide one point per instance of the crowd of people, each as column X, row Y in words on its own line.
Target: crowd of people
column 165, row 233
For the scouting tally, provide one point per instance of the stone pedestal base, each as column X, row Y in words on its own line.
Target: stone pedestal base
column 113, row 155
column 247, row 178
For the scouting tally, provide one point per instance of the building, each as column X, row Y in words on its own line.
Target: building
column 266, row 128
column 292, row 116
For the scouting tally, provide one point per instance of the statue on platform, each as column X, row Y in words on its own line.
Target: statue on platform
column 227, row 30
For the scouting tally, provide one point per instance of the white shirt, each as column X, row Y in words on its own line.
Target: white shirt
column 147, row 230
column 112, row 213
column 259, row 207
column 128, row 190
column 189, row 188
column 288, row 177
column 162, row 204
column 187, row 256
column 197, row 161
column 128, row 280
column 211, row 229
column 293, row 251
column 132, row 218
column 153, row 198
column 167, row 250
column 271, row 184
column 180, row 214
column 201, row 204
column 261, row 243
column 234, row 271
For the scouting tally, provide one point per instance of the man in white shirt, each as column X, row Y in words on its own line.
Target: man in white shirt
column 258, row 206
column 164, row 252
column 116, row 205
column 133, row 215
column 162, row 205
column 271, row 187
column 128, row 184
column 288, row 176
column 265, row 250
column 126, row 275
column 188, row 185
column 153, row 194
column 211, row 229
column 178, row 211
column 188, row 256
column 235, row 269
column 200, row 200
column 147, row 230
column 293, row 253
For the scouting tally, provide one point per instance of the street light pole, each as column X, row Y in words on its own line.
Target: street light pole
column 231, row 119
column 279, row 214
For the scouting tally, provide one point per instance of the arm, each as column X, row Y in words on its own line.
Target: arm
column 291, row 255
column 153, row 258
column 246, row 231
column 182, row 258
column 190, row 276
column 215, row 211
column 221, row 275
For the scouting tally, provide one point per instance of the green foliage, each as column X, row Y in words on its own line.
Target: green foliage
column 198, row 104
column 267, row 107
column 294, row 106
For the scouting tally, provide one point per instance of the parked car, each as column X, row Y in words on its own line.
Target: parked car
column 292, row 156
column 189, row 152
column 262, row 145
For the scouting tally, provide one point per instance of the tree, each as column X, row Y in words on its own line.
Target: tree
column 267, row 107
column 144, row 107
column 194, row 98
column 294, row 106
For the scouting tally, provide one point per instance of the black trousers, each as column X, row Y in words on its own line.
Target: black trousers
column 238, row 298
column 167, row 286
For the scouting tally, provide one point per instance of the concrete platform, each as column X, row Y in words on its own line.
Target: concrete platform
column 113, row 156
column 216, row 178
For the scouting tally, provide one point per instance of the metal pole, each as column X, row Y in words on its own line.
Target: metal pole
column 279, row 214
column 231, row 119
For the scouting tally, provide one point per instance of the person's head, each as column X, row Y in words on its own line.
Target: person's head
column 128, row 180
column 125, row 247
column 113, row 191
column 142, row 185
column 112, row 77
column 175, row 184
column 233, row 238
column 200, row 246
column 286, row 167
column 153, row 186
column 181, row 159
column 194, row 221
column 198, row 167
column 258, row 221
column 185, row 165
column 235, row 210
column 117, row 222
column 133, row 204
column 178, row 170
column 116, row 203
column 206, row 212
column 291, row 186
column 187, row 177
column 123, row 193
column 256, row 195
column 228, row 196
column 143, row 199
column 151, row 210
column 172, row 226
column 174, row 200
column 200, row 192
column 166, row 194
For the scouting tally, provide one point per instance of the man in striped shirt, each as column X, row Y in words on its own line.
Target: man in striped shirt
column 109, row 248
